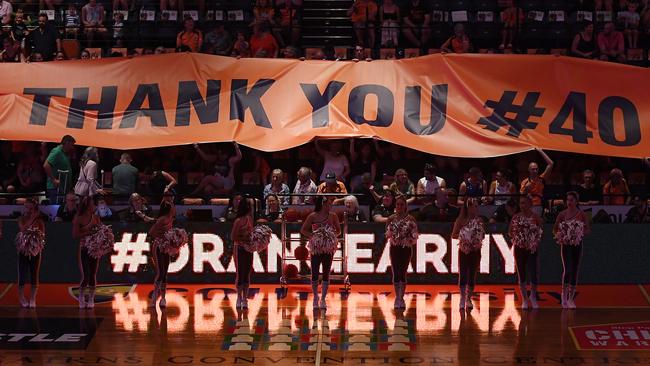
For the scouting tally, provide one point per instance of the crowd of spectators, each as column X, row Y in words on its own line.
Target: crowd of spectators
column 221, row 174
column 600, row 29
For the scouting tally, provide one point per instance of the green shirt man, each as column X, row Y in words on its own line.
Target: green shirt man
column 57, row 161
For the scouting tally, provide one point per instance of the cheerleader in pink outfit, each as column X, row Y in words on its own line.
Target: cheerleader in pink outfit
column 29, row 242
column 159, row 229
column 469, row 229
column 526, row 233
column 402, row 233
column 83, row 224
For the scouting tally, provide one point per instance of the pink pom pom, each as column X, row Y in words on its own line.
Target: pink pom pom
column 30, row 242
column 172, row 241
column 470, row 237
column 100, row 242
column 570, row 232
column 260, row 239
column 323, row 241
column 525, row 233
column 403, row 232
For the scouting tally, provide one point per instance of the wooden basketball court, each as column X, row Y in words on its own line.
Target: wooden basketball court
column 201, row 326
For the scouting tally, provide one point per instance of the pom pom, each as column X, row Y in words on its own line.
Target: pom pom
column 30, row 242
column 301, row 253
column 525, row 233
column 172, row 241
column 323, row 241
column 403, row 232
column 260, row 239
column 100, row 242
column 471, row 236
column 290, row 271
column 570, row 232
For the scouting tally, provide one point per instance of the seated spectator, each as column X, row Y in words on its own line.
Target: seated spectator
column 589, row 193
column 630, row 20
column 262, row 43
column 382, row 212
column 533, row 185
column 364, row 162
column 139, row 210
column 36, row 57
column 584, row 43
column 30, row 171
column 19, row 28
column 363, row 15
column 402, row 186
column 291, row 52
column 85, row 55
column 616, row 191
column 449, row 212
column 66, row 212
column 389, row 17
column 273, row 212
column 125, row 178
column 501, row 189
column 60, row 56
column 8, row 167
column 332, row 185
column 459, row 42
column 169, row 5
column 604, row 5
column 120, row 5
column 354, row 214
column 512, row 18
column 369, row 196
column 504, row 213
column 102, row 210
column 92, row 17
column 233, row 205
column 334, row 160
column 72, row 21
column 473, row 186
column 639, row 213
column 431, row 185
column 611, row 44
column 289, row 23
column 189, row 37
column 119, row 30
column 10, row 50
column 417, row 19
column 242, row 47
column 304, row 185
column 223, row 179
column 218, row 41
column 277, row 186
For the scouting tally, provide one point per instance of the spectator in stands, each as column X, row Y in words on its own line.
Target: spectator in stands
column 304, row 185
column 639, row 213
column 448, row 212
column 87, row 183
column 66, row 211
column 139, row 210
column 273, row 211
column 589, row 193
column 382, row 212
column 364, row 162
column 120, row 5
column 119, row 29
column 58, row 169
column 500, row 188
column 169, row 5
column 368, row 195
column 10, row 50
column 36, row 57
column 223, row 180
column 363, row 15
column 277, row 186
column 630, row 20
column 8, row 166
column 18, row 28
column 72, row 21
column 334, row 160
column 533, row 185
column 160, row 50
column 263, row 12
column 102, row 210
column 645, row 18
column 262, row 42
column 604, row 5
column 354, row 214
column 616, row 191
column 431, row 184
column 85, row 55
column 473, row 186
column 417, row 19
column 30, row 171
column 289, row 22
column 92, row 17
column 504, row 213
column 291, row 52
column 45, row 39
column 459, row 42
column 255, row 169
column 60, row 56
column 189, row 37
column 611, row 44
column 5, row 9
column 242, row 47
column 512, row 17
column 233, row 205
column 391, row 160
column 332, row 185
column 402, row 186
column 584, row 43
column 389, row 17
column 160, row 184
column 218, row 41
column 125, row 178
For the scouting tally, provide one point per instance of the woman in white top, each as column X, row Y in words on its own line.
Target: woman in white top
column 335, row 161
column 87, row 184
column 501, row 189
column 431, row 184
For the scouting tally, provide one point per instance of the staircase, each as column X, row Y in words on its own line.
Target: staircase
column 326, row 23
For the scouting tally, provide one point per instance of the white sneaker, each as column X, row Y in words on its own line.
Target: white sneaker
column 323, row 304
column 32, row 303
column 244, row 303
column 163, row 303
column 315, row 305
column 533, row 302
column 524, row 304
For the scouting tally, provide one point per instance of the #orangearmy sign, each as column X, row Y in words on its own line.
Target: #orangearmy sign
column 455, row 105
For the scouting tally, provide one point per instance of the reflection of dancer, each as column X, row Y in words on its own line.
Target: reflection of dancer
column 83, row 226
column 470, row 231
column 241, row 233
column 165, row 244
column 322, row 228
column 402, row 232
column 526, row 232
column 29, row 242
column 570, row 228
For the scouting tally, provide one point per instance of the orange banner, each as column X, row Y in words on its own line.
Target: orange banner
column 454, row 105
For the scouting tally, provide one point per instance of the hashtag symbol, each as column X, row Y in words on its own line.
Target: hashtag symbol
column 521, row 113
column 130, row 252
column 131, row 312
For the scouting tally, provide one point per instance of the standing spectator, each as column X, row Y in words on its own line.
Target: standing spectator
column 533, row 186
column 630, row 20
column 161, row 184
column 45, row 39
column 334, row 160
column 223, row 180
column 332, row 185
column 304, row 185
column 19, row 29
column 58, row 169
column 217, row 41
column 501, row 189
column 66, row 211
column 125, row 178
column 92, row 17
column 431, row 184
column 119, row 30
column 369, row 196
column 616, row 191
column 584, row 43
column 354, row 214
column 363, row 15
column 611, row 44
column 87, row 184
column 416, row 17
column 5, row 9
column 512, row 18
column 639, row 213
column 402, row 186
column 645, row 19
column 459, row 42
column 262, row 42
column 189, row 36
column 391, row 160
column 289, row 22
column 30, row 171
column 589, row 193
column 72, row 21
column 389, row 17
column 474, row 186
column 382, row 212
column 8, row 168
column 277, row 186
column 365, row 162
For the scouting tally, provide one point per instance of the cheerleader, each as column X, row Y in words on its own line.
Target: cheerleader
column 240, row 235
column 570, row 228
column 469, row 229
column 157, row 235
column 29, row 242
column 83, row 228
column 525, row 233
column 402, row 232
column 322, row 228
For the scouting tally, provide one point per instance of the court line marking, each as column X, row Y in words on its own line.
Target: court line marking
column 644, row 292
column 6, row 289
column 319, row 340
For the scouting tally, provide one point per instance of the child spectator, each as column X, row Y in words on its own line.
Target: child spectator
column 363, row 14
column 630, row 19
column 118, row 29
column 242, row 47
column 72, row 21
column 459, row 42
column 512, row 18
